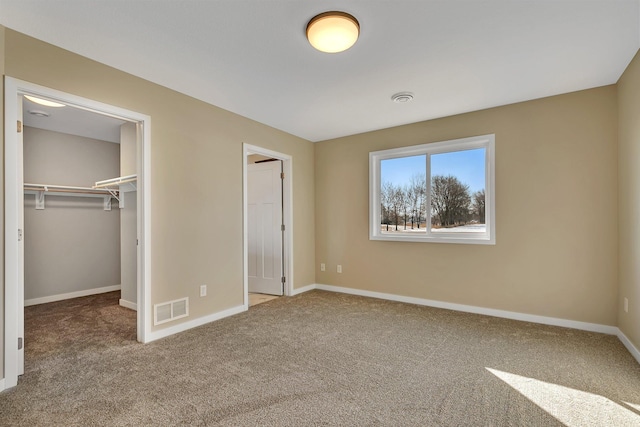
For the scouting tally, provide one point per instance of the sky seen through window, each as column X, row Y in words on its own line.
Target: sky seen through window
column 467, row 165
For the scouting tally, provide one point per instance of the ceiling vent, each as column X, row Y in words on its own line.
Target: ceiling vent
column 402, row 97
column 39, row 113
column 172, row 310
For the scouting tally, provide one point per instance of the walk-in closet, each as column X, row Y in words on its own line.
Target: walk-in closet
column 79, row 205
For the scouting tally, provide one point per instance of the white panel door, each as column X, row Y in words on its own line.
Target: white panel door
column 264, row 220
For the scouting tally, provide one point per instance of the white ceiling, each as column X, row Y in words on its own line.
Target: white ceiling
column 251, row 56
column 74, row 121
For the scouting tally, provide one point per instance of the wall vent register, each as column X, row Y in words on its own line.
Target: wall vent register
column 171, row 310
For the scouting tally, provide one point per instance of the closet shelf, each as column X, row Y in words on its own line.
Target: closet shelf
column 117, row 182
column 39, row 190
column 124, row 184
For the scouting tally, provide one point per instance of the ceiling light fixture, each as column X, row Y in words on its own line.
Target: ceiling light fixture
column 333, row 32
column 402, row 97
column 44, row 102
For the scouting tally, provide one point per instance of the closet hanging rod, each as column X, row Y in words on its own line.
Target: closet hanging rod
column 116, row 181
column 64, row 189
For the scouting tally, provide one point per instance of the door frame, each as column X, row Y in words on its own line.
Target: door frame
column 287, row 217
column 13, row 195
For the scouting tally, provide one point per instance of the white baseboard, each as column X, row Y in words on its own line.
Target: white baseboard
column 2, row 385
column 60, row 297
column 592, row 327
column 163, row 333
column 298, row 291
column 627, row 343
column 573, row 324
column 128, row 304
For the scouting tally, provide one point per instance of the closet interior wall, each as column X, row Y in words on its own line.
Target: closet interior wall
column 73, row 244
column 128, row 218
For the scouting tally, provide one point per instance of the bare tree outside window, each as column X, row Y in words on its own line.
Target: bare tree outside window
column 450, row 202
column 417, row 202
column 402, row 194
column 478, row 207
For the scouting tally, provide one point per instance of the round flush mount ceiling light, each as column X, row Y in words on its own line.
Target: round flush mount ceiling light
column 44, row 102
column 333, row 32
column 402, row 97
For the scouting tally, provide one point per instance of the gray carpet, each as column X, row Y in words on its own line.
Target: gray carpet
column 318, row 359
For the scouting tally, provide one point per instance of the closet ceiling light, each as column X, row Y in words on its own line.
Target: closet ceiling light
column 39, row 113
column 333, row 32
column 44, row 102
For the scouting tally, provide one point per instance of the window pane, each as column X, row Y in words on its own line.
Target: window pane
column 457, row 191
column 403, row 195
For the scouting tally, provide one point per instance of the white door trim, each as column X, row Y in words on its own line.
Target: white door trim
column 14, row 87
column 287, row 215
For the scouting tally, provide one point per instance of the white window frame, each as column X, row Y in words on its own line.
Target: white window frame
column 376, row 157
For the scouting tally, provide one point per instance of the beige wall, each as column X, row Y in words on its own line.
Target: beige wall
column 73, row 244
column 63, row 159
column 556, row 213
column 196, row 175
column 2, row 210
column 629, row 200
column 128, row 149
column 129, row 248
column 128, row 216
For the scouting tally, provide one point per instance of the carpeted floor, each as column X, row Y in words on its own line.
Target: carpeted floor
column 318, row 359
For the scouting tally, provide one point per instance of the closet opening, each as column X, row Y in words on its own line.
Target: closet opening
column 76, row 221
column 268, row 271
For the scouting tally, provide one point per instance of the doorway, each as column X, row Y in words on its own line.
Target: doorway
column 265, row 225
column 267, row 230
column 14, row 212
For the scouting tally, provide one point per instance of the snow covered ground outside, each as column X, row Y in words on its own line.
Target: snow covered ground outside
column 469, row 228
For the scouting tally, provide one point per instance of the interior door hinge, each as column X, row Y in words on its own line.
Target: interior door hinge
column 19, row 126
column 19, row 234
column 281, row 175
column 282, row 227
column 20, row 343
column 284, row 279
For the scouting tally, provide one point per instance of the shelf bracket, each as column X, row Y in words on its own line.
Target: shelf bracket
column 40, row 200
column 114, row 194
column 107, row 203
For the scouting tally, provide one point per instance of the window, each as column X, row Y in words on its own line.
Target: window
column 454, row 205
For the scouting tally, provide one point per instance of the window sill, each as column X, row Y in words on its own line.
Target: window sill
column 457, row 238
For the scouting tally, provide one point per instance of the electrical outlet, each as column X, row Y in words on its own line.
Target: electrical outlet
column 203, row 290
column 339, row 268
column 626, row 305
column 323, row 267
